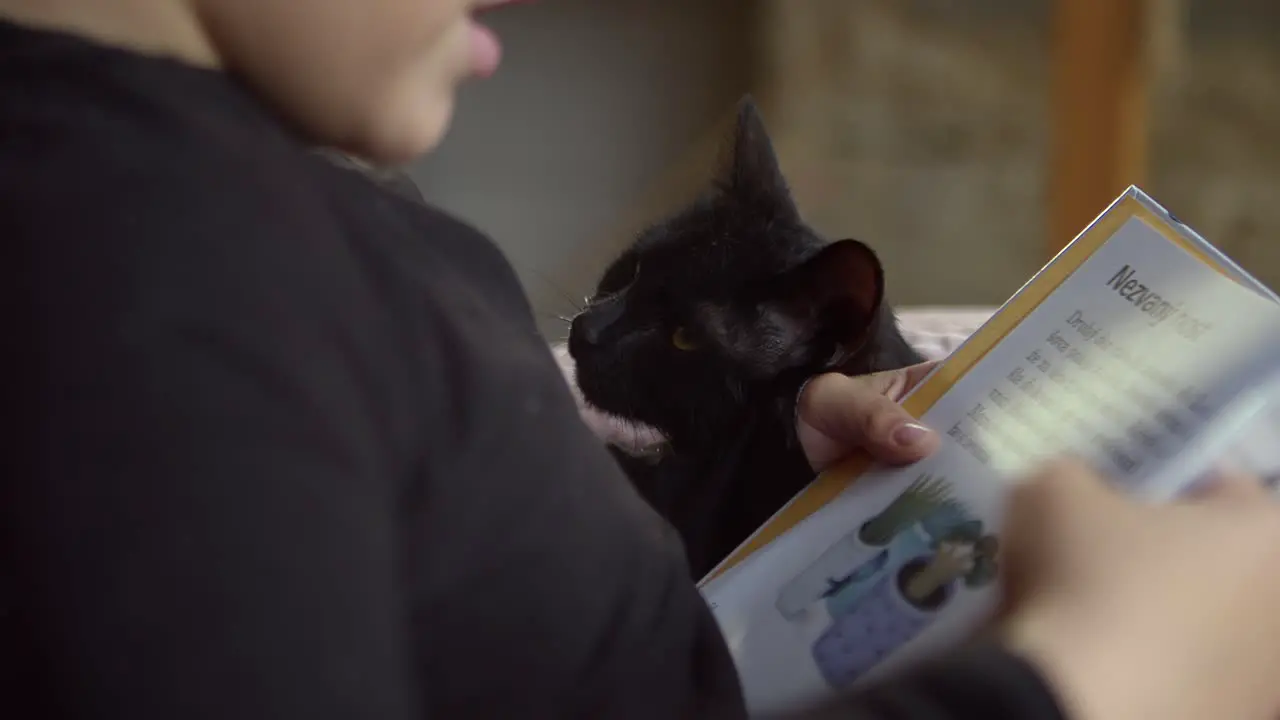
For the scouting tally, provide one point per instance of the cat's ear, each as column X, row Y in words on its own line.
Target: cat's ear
column 834, row 297
column 810, row 316
column 749, row 170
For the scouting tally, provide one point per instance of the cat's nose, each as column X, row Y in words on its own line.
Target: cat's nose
column 582, row 338
column 590, row 326
column 585, row 330
column 579, row 335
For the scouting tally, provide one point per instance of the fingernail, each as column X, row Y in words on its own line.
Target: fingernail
column 909, row 434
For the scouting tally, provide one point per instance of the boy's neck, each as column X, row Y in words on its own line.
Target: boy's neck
column 169, row 28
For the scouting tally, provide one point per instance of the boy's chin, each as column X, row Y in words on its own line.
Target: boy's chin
column 398, row 139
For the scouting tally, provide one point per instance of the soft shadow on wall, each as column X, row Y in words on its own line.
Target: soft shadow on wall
column 595, row 102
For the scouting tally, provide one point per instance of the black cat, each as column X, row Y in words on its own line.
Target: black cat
column 707, row 327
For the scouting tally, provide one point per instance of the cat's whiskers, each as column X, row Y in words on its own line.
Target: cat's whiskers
column 564, row 294
column 568, row 321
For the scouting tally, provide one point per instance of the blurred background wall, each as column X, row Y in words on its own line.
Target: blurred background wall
column 557, row 155
column 926, row 128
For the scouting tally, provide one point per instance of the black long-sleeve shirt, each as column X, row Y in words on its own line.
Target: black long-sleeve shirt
column 287, row 446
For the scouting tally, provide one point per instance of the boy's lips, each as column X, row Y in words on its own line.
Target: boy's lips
column 486, row 49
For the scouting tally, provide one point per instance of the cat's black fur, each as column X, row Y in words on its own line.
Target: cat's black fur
column 706, row 328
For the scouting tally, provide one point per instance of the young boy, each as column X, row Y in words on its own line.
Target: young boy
column 289, row 445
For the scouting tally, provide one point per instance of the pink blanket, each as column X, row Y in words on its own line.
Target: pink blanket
column 935, row 332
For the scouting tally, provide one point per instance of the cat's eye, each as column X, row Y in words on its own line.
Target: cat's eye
column 681, row 340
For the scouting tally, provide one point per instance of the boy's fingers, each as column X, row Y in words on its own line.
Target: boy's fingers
column 1061, row 486
column 839, row 414
column 1045, row 510
column 1228, row 486
column 895, row 384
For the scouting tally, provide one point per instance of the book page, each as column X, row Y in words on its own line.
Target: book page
column 1242, row 439
column 1126, row 362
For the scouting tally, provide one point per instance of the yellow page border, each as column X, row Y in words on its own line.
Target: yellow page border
column 835, row 480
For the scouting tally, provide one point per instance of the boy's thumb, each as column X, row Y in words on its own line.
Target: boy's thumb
column 1062, row 489
column 1044, row 514
column 1228, row 486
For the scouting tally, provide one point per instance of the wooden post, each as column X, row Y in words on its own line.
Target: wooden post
column 1098, row 110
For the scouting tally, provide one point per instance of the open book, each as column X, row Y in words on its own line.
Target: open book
column 1139, row 347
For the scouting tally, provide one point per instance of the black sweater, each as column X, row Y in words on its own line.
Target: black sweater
column 288, row 446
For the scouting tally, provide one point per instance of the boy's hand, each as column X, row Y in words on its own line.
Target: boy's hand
column 1136, row 610
column 838, row 414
